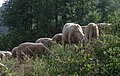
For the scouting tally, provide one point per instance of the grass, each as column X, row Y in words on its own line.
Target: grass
column 101, row 58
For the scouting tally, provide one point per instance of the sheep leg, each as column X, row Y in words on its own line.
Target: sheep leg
column 90, row 36
column 63, row 42
column 69, row 39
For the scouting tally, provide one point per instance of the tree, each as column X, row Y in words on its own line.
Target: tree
column 31, row 19
column 107, row 8
column 78, row 11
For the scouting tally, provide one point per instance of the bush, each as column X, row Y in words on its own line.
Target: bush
column 100, row 58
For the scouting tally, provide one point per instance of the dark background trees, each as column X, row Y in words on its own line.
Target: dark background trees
column 30, row 19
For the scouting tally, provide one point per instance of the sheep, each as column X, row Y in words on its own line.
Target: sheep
column 91, row 32
column 46, row 41
column 57, row 38
column 102, row 27
column 31, row 50
column 2, row 56
column 14, row 52
column 8, row 54
column 67, row 24
column 72, row 33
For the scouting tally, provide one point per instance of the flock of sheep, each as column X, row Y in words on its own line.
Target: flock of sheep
column 72, row 33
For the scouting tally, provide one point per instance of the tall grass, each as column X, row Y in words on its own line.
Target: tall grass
column 99, row 58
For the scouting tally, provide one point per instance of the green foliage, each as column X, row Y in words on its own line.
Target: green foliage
column 93, row 17
column 100, row 57
column 115, row 28
column 43, row 18
column 107, row 8
column 31, row 19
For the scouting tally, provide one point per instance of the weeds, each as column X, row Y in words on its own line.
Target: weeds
column 101, row 58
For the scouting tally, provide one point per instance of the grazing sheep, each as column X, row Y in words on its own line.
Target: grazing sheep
column 57, row 38
column 8, row 54
column 72, row 33
column 91, row 32
column 67, row 24
column 102, row 27
column 14, row 51
column 46, row 41
column 2, row 56
column 31, row 50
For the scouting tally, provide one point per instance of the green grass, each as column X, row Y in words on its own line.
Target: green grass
column 101, row 58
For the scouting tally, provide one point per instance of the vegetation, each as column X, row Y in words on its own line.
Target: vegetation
column 100, row 59
column 29, row 20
